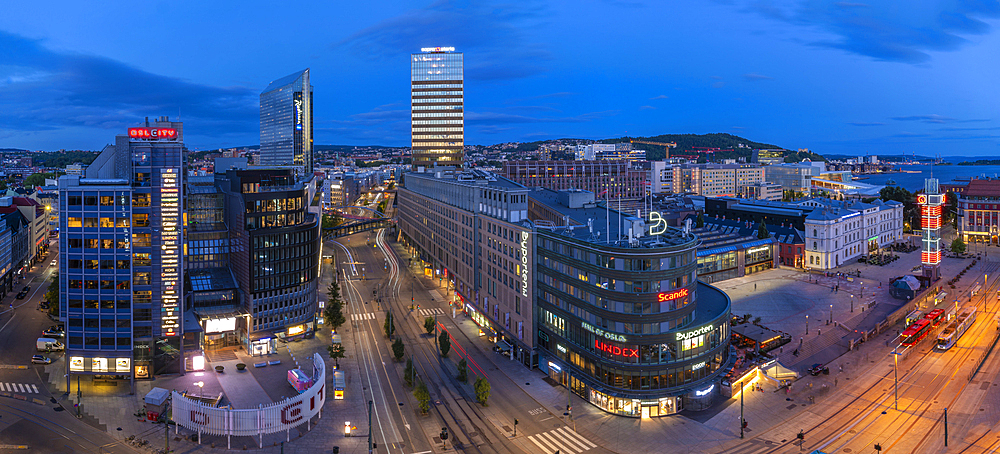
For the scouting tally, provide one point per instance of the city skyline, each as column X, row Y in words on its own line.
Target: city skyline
column 804, row 75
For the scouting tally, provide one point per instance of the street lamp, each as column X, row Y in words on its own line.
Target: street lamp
column 807, row 325
column 831, row 315
column 852, row 303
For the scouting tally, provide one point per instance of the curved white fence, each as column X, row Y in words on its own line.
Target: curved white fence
column 274, row 418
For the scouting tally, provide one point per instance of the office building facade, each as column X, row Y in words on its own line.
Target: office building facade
column 121, row 257
column 979, row 211
column 437, row 107
column 274, row 254
column 612, row 311
column 286, row 122
column 607, row 179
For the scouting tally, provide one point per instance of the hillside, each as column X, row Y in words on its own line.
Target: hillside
column 687, row 144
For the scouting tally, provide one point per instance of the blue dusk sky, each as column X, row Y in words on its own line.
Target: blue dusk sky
column 837, row 77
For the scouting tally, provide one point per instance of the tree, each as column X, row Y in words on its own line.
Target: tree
column 333, row 313
column 423, row 397
column 896, row 193
column 444, row 340
column 762, row 232
column 38, row 179
column 429, row 324
column 482, row 390
column 389, row 327
column 397, row 349
column 701, row 220
column 336, row 352
column 52, row 293
column 463, row 371
column 408, row 372
column 958, row 246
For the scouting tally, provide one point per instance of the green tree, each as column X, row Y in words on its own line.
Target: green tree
column 333, row 313
column 408, row 372
column 52, row 293
column 398, row 349
column 389, row 326
column 762, row 232
column 444, row 340
column 896, row 193
column 463, row 371
column 423, row 397
column 336, row 352
column 429, row 324
column 958, row 246
column 482, row 390
column 701, row 220
column 38, row 179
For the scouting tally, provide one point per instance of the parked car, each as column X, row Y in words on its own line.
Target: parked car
column 44, row 305
column 39, row 359
column 54, row 262
column 817, row 369
column 21, row 295
column 26, row 289
column 54, row 333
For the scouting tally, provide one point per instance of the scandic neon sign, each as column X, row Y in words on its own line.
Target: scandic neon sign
column 617, row 351
column 668, row 296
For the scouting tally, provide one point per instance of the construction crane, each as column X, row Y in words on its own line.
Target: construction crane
column 666, row 145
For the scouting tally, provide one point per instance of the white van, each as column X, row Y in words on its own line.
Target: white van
column 45, row 344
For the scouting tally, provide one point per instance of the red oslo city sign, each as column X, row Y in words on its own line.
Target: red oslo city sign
column 667, row 296
column 152, row 133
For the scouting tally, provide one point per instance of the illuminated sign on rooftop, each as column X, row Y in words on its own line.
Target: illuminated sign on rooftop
column 152, row 133
column 437, row 49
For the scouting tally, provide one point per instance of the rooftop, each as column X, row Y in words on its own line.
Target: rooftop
column 595, row 222
column 982, row 188
column 278, row 83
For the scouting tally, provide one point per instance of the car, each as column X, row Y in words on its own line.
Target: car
column 40, row 359
column 26, row 289
column 54, row 262
column 54, row 333
column 44, row 305
column 21, row 295
column 817, row 369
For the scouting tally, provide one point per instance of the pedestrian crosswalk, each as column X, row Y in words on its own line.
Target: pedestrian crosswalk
column 563, row 439
column 432, row 311
column 19, row 388
column 365, row 316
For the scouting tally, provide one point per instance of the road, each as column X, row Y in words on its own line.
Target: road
column 867, row 412
column 37, row 423
column 373, row 271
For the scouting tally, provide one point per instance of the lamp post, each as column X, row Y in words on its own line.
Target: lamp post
column 831, row 315
column 807, row 325
column 852, row 303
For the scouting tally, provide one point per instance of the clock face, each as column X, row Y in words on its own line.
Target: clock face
column 921, row 199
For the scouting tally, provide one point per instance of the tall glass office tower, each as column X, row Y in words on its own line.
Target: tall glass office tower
column 437, row 107
column 286, row 128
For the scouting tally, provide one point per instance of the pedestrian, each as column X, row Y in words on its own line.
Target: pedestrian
column 755, row 286
column 841, row 367
column 835, row 380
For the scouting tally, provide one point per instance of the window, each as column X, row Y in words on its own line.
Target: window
column 141, row 239
column 74, row 222
column 140, row 200
column 90, row 222
column 107, row 264
column 141, row 258
column 107, row 200
column 90, row 264
column 75, row 242
column 123, row 264
column 90, row 200
column 141, row 278
column 74, row 200
column 108, row 222
column 140, row 220
column 122, row 222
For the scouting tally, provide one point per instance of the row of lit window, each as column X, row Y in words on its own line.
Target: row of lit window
column 437, row 122
column 436, row 115
column 435, row 107
column 138, row 240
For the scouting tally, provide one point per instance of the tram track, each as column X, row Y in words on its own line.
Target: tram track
column 449, row 400
column 876, row 400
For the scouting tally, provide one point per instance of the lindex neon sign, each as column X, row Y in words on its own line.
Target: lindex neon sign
column 152, row 133
column 615, row 350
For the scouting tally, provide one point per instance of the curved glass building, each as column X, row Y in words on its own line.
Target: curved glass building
column 623, row 320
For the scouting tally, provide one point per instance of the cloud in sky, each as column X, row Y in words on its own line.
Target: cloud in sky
column 887, row 30
column 925, row 118
column 864, row 123
column 753, row 77
column 488, row 30
column 646, row 108
column 41, row 89
column 660, row 97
